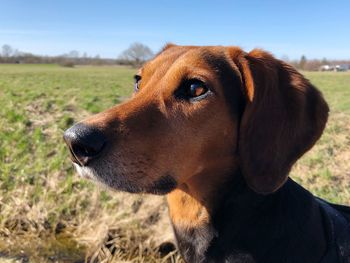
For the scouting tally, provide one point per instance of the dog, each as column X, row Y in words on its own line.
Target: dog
column 217, row 130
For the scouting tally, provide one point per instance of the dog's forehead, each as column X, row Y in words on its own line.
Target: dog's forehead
column 196, row 56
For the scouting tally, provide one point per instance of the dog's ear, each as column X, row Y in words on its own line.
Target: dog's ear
column 283, row 117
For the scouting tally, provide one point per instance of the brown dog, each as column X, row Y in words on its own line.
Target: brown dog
column 217, row 130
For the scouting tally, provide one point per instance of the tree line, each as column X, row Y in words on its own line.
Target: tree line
column 135, row 55
column 315, row 64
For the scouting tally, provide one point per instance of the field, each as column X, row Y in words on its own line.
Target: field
column 48, row 214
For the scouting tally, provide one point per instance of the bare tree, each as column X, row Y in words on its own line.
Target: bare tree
column 7, row 51
column 302, row 62
column 137, row 53
column 73, row 54
column 324, row 61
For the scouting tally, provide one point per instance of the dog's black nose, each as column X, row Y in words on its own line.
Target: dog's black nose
column 85, row 142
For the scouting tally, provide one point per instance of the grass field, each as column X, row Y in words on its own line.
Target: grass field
column 48, row 214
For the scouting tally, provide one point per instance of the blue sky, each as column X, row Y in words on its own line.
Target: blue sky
column 286, row 28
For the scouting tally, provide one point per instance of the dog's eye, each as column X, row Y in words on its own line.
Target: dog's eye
column 197, row 89
column 137, row 82
column 192, row 90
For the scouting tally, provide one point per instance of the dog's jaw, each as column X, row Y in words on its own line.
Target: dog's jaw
column 164, row 185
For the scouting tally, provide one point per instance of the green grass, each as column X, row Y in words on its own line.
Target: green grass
column 325, row 170
column 48, row 214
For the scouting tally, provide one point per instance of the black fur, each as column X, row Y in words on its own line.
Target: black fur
column 193, row 243
column 163, row 185
column 284, row 227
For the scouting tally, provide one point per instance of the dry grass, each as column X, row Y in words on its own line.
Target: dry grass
column 325, row 170
column 48, row 214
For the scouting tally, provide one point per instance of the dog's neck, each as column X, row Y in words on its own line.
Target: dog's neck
column 191, row 208
column 258, row 228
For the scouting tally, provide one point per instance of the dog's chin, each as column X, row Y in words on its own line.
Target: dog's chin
column 163, row 185
column 84, row 171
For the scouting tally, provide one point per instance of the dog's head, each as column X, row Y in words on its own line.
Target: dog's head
column 202, row 111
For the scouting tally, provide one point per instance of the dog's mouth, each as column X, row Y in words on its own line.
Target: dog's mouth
column 83, row 171
column 161, row 186
column 73, row 158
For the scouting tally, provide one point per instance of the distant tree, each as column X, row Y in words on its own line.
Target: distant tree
column 7, row 51
column 84, row 58
column 73, row 54
column 96, row 60
column 16, row 53
column 136, row 53
column 324, row 61
column 302, row 62
column 312, row 65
